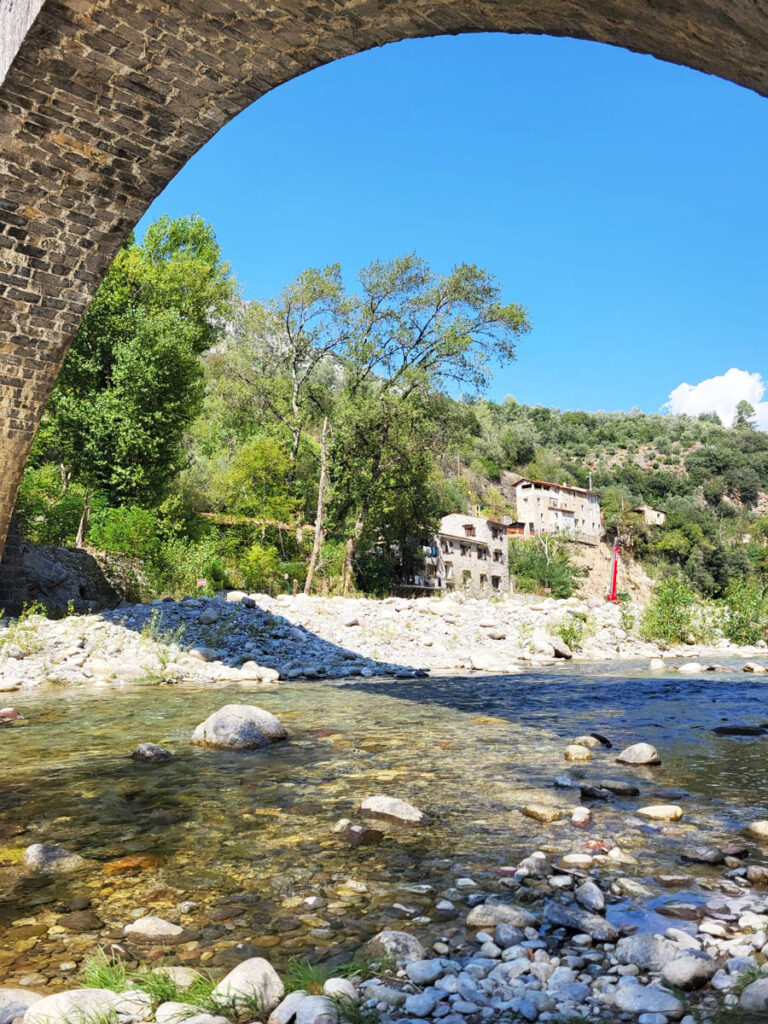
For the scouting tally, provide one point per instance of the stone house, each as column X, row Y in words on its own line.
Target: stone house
column 469, row 553
column 652, row 516
column 557, row 509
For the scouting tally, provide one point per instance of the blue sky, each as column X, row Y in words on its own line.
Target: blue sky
column 621, row 199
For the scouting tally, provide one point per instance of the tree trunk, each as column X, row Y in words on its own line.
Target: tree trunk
column 82, row 529
column 350, row 548
column 320, row 509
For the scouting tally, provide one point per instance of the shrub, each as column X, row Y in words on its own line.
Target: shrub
column 132, row 531
column 573, row 630
column 746, row 611
column 260, row 568
column 669, row 616
column 536, row 567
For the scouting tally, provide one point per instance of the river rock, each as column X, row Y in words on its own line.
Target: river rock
column 339, row 988
column 632, row 997
column 239, row 727
column 661, row 812
column 491, row 913
column 754, row 998
column 254, row 979
column 80, row 921
column 155, row 930
column 285, row 1011
column 639, row 753
column 703, row 854
column 9, row 715
column 80, row 1004
column 542, row 812
column 49, row 859
column 182, row 977
column 185, row 1013
column 560, row 648
column 758, row 830
column 757, row 874
column 578, row 920
column 690, row 668
column 755, row 666
column 393, row 810
column 576, row 752
column 424, row 972
column 619, row 788
column 316, row 1010
column 590, row 896
column 689, row 972
column 656, row 665
column 646, row 951
column 151, row 753
column 14, row 1002
column 394, row 944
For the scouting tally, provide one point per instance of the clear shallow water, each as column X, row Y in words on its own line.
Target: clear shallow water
column 249, row 835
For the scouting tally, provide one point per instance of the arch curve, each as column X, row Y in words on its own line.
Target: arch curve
column 105, row 100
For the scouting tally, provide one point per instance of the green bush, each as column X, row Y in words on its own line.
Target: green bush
column 573, row 630
column 670, row 615
column 534, row 569
column 746, row 611
column 178, row 564
column 131, row 531
column 260, row 569
column 48, row 512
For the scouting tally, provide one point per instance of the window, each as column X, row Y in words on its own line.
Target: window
column 465, row 550
column 483, row 580
column 495, row 582
column 482, row 554
column 449, row 570
column 469, row 531
column 498, row 556
column 466, row 577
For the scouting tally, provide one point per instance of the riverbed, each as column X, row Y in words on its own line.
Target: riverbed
column 231, row 844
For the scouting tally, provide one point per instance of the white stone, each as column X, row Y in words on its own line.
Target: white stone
column 154, row 929
column 661, row 812
column 48, row 859
column 392, row 809
column 252, row 979
column 239, row 727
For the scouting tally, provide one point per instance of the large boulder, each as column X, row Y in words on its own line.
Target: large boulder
column 49, row 859
column 578, row 920
column 84, row 1004
column 185, row 1013
column 252, row 981
column 758, row 830
column 392, row 810
column 754, row 998
column 317, row 1010
column 239, row 727
column 648, row 952
column 14, row 1002
column 395, row 945
column 488, row 915
column 639, row 753
column 632, row 997
column 691, row 971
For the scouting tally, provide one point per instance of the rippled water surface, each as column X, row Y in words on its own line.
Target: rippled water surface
column 248, row 836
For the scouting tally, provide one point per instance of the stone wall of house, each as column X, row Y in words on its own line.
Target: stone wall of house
column 105, row 100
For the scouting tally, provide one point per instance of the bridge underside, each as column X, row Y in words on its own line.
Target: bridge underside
column 105, row 100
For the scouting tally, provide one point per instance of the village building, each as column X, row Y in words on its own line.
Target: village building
column 556, row 510
column 469, row 553
column 652, row 516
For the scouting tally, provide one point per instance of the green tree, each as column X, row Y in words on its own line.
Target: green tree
column 412, row 334
column 132, row 381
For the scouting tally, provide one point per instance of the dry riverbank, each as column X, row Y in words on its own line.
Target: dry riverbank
column 260, row 639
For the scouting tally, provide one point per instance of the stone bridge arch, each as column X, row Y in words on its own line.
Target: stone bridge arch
column 103, row 101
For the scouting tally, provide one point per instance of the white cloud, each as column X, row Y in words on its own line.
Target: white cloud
column 721, row 395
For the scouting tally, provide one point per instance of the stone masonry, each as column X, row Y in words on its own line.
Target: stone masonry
column 105, row 100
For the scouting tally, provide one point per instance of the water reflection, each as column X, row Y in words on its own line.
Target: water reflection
column 249, row 835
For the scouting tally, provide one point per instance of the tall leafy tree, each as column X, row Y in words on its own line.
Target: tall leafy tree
column 132, row 381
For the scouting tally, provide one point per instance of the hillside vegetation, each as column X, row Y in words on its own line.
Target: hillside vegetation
column 206, row 437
